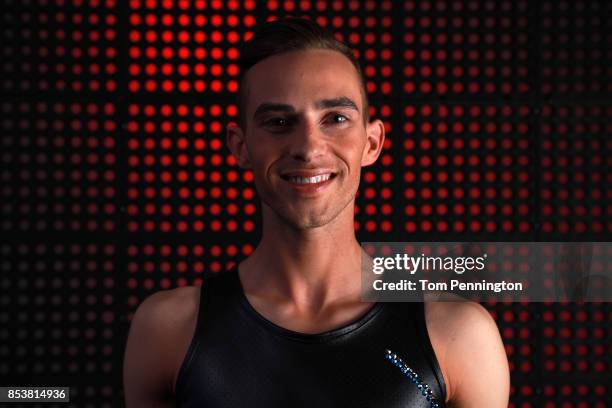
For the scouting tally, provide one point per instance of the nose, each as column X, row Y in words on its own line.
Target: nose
column 307, row 143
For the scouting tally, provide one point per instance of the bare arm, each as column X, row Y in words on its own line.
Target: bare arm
column 157, row 342
column 473, row 357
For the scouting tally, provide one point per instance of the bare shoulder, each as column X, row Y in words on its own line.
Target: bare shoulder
column 452, row 313
column 470, row 352
column 160, row 333
column 170, row 305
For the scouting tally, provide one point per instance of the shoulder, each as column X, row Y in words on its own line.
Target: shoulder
column 168, row 306
column 160, row 333
column 453, row 313
column 166, row 314
column 470, row 352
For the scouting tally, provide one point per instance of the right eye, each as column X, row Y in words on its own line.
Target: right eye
column 276, row 122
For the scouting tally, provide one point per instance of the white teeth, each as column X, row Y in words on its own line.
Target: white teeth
column 310, row 180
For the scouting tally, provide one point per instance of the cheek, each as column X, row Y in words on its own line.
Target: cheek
column 259, row 156
column 262, row 160
column 350, row 154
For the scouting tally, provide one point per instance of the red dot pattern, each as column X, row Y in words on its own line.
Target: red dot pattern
column 153, row 267
column 457, row 49
column 575, row 44
column 59, row 167
column 181, row 176
column 60, row 46
column 59, row 316
column 467, row 170
column 113, row 163
column 185, row 47
column 576, row 183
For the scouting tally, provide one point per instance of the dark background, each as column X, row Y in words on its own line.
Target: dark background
column 116, row 183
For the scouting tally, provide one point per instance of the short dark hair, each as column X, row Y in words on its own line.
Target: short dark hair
column 286, row 35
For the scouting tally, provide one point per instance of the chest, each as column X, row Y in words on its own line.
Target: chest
column 302, row 375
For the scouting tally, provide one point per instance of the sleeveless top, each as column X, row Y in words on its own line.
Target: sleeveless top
column 239, row 359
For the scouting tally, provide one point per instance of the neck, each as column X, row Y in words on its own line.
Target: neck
column 310, row 268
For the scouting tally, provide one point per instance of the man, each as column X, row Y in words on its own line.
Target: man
column 287, row 327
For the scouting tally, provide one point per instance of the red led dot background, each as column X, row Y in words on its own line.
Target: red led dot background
column 116, row 182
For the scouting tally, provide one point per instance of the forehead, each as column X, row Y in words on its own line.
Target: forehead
column 300, row 78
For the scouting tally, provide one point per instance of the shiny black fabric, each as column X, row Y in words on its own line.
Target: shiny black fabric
column 238, row 359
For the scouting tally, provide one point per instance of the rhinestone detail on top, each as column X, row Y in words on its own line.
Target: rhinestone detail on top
column 414, row 377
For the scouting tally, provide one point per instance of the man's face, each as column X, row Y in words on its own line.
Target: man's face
column 305, row 140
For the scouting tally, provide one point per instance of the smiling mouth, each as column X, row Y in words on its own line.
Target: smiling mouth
column 320, row 178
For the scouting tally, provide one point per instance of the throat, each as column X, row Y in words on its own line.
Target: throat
column 330, row 318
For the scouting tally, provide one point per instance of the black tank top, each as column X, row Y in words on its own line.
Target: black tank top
column 239, row 359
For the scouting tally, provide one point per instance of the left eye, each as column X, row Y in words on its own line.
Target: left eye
column 337, row 118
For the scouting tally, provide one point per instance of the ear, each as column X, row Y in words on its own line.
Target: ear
column 235, row 142
column 375, row 137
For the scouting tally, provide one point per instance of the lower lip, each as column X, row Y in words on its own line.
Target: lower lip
column 310, row 188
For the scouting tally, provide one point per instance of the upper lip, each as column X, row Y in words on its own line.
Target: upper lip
column 306, row 173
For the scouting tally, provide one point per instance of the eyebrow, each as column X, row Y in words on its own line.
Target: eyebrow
column 341, row 101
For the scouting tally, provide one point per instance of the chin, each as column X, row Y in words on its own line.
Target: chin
column 313, row 223
column 307, row 215
column 303, row 221
column 300, row 218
